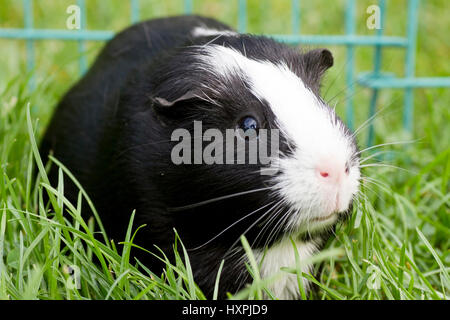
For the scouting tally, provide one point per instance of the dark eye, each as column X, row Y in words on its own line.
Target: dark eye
column 248, row 123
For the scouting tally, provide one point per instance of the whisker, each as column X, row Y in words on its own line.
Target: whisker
column 374, row 117
column 338, row 75
column 373, row 156
column 387, row 144
column 344, row 90
column 379, row 185
column 205, row 202
column 227, row 228
column 266, row 227
column 352, row 84
column 373, row 191
column 376, row 187
column 376, row 181
column 249, row 228
column 121, row 153
column 269, row 220
column 277, row 229
column 387, row 166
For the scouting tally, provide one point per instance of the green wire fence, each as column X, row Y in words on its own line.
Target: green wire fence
column 375, row 80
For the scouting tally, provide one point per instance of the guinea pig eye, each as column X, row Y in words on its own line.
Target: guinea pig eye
column 248, row 123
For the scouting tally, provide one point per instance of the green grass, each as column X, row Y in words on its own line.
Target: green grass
column 395, row 246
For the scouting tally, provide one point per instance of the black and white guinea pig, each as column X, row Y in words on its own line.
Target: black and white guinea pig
column 113, row 130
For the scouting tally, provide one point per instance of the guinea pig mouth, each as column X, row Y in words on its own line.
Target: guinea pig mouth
column 333, row 212
column 326, row 217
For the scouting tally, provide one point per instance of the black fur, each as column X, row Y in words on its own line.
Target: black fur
column 113, row 131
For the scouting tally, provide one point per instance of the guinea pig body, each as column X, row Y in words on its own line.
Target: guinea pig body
column 114, row 131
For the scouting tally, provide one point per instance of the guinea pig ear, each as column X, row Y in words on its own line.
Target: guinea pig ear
column 318, row 61
column 322, row 58
column 168, row 107
column 164, row 103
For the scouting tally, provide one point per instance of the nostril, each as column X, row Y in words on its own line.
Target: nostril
column 329, row 171
column 324, row 174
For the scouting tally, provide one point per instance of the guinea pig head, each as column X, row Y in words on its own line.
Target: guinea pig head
column 255, row 87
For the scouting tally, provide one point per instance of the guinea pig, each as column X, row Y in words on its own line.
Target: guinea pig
column 114, row 130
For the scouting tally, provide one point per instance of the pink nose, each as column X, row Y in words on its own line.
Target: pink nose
column 329, row 171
